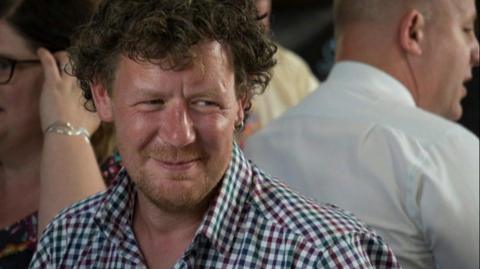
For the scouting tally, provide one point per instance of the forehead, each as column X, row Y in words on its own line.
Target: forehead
column 465, row 8
column 263, row 5
column 12, row 45
column 211, row 65
column 458, row 10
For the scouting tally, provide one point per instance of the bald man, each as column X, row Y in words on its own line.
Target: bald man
column 379, row 137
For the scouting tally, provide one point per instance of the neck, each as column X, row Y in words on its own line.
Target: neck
column 19, row 187
column 162, row 222
column 19, row 169
column 20, row 159
column 376, row 46
column 164, row 236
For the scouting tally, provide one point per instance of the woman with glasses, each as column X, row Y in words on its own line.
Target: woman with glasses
column 46, row 159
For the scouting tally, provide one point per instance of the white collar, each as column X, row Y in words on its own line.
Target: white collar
column 374, row 80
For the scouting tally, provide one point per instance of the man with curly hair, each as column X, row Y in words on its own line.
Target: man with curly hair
column 176, row 79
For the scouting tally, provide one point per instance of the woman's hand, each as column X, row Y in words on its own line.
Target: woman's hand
column 61, row 98
column 62, row 180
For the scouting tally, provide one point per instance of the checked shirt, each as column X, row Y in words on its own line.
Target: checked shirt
column 253, row 222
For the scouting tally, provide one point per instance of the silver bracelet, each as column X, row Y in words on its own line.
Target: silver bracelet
column 66, row 128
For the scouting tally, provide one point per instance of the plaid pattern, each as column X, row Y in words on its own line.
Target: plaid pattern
column 17, row 242
column 111, row 167
column 253, row 222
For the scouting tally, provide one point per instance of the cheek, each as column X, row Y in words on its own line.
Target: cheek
column 215, row 136
column 215, row 129
column 25, row 97
column 28, row 88
column 133, row 130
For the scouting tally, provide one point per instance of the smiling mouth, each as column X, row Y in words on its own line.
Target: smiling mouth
column 464, row 92
column 179, row 162
column 177, row 165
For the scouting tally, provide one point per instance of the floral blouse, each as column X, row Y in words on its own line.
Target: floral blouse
column 18, row 241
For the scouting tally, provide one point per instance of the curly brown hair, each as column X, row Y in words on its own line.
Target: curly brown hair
column 165, row 32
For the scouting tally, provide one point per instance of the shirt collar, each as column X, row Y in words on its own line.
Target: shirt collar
column 223, row 216
column 219, row 223
column 371, row 79
column 115, row 214
column 117, row 207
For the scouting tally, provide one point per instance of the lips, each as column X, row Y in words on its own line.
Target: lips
column 174, row 158
column 177, row 166
column 178, row 162
column 464, row 92
column 466, row 80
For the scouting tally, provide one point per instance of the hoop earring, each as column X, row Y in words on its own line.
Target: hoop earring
column 239, row 126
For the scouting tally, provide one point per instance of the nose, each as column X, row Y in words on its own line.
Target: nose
column 475, row 53
column 178, row 129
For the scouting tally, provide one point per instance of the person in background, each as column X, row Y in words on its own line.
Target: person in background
column 377, row 138
column 46, row 159
column 175, row 78
column 291, row 81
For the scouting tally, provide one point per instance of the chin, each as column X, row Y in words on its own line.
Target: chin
column 455, row 113
column 178, row 193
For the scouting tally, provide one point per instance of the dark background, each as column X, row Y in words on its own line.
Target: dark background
column 305, row 26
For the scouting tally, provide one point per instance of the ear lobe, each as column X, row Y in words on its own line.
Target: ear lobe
column 242, row 103
column 103, row 102
column 412, row 30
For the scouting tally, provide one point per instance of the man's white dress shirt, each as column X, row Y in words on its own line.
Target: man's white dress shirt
column 360, row 142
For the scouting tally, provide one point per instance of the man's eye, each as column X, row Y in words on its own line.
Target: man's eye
column 155, row 102
column 468, row 30
column 205, row 103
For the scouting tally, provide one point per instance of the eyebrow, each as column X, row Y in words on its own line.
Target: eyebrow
column 472, row 17
column 143, row 92
column 209, row 93
column 6, row 55
column 16, row 58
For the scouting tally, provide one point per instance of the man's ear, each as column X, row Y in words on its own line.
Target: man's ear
column 242, row 103
column 103, row 102
column 412, row 32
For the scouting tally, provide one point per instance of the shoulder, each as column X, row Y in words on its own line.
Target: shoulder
column 81, row 211
column 74, row 224
column 318, row 119
column 76, row 218
column 422, row 136
column 425, row 126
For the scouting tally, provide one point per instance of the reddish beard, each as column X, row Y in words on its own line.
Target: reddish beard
column 172, row 154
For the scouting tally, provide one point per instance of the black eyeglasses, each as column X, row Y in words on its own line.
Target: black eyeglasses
column 7, row 67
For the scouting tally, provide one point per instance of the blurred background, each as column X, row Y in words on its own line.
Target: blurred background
column 305, row 26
